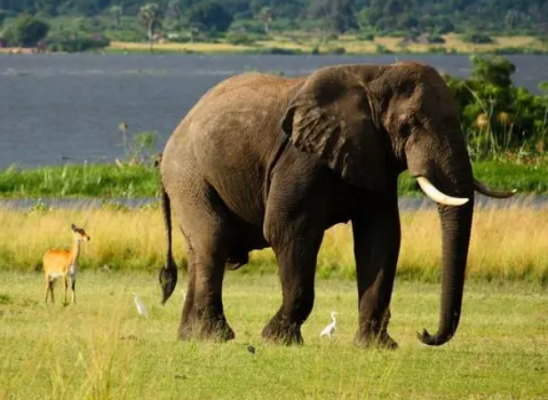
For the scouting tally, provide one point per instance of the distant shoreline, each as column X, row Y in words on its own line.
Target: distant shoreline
column 345, row 45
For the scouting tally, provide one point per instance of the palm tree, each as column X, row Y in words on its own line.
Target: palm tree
column 150, row 16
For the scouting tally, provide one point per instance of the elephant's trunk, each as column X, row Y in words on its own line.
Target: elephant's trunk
column 456, row 226
column 455, row 176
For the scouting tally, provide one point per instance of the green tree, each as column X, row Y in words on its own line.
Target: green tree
column 150, row 16
column 493, row 70
column 26, row 31
column 3, row 16
column 339, row 13
column 116, row 12
column 265, row 16
column 210, row 16
column 48, row 6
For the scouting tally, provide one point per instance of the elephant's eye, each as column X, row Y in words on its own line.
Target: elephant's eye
column 406, row 130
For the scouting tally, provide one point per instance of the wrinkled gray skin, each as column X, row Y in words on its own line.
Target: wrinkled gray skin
column 268, row 161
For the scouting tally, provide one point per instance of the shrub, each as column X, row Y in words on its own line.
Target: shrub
column 381, row 49
column 279, row 51
column 210, row 16
column 518, row 50
column 242, row 38
column 495, row 114
column 26, row 31
column 337, row 51
column 478, row 38
column 126, row 35
column 368, row 37
column 3, row 16
column 436, row 38
column 78, row 44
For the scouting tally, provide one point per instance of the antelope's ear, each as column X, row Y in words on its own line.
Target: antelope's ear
column 73, row 227
column 331, row 116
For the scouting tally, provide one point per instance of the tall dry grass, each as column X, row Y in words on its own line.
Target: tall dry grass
column 352, row 44
column 507, row 243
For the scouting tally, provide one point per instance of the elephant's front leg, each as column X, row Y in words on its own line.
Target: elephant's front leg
column 376, row 247
column 297, row 263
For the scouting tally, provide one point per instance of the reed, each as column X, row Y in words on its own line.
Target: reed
column 507, row 244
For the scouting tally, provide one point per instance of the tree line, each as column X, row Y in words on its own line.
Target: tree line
column 436, row 16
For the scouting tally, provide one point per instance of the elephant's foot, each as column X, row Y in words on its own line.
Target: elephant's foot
column 283, row 332
column 372, row 340
column 210, row 328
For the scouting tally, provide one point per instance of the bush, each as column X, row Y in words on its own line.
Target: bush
column 210, row 16
column 279, row 51
column 436, row 38
column 248, row 26
column 337, row 51
column 3, row 16
column 478, row 38
column 26, row 31
column 497, row 114
column 126, row 36
column 381, row 49
column 242, row 38
column 518, row 50
column 368, row 37
column 78, row 44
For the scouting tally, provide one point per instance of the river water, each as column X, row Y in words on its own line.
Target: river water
column 58, row 108
column 405, row 203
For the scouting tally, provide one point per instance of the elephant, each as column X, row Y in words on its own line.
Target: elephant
column 268, row 161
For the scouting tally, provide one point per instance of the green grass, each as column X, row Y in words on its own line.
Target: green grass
column 526, row 178
column 79, row 181
column 139, row 181
column 101, row 349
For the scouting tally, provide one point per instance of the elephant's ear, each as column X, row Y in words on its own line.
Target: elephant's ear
column 331, row 116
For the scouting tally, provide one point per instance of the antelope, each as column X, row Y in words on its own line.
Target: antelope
column 62, row 263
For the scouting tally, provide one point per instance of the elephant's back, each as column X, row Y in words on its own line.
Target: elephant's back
column 230, row 136
column 238, row 119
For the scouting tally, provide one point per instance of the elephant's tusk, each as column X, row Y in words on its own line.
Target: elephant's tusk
column 481, row 188
column 431, row 191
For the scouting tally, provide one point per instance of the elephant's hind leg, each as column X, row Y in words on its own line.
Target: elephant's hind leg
column 206, row 228
column 203, row 314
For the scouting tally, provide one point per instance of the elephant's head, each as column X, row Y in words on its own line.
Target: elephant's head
column 369, row 123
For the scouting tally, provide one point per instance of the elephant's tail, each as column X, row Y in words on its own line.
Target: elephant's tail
column 168, row 273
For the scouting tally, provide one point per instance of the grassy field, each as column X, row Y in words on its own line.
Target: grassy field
column 507, row 244
column 140, row 181
column 102, row 349
column 301, row 43
column 79, row 181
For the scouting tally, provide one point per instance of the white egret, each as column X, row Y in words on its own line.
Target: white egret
column 329, row 330
column 141, row 309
